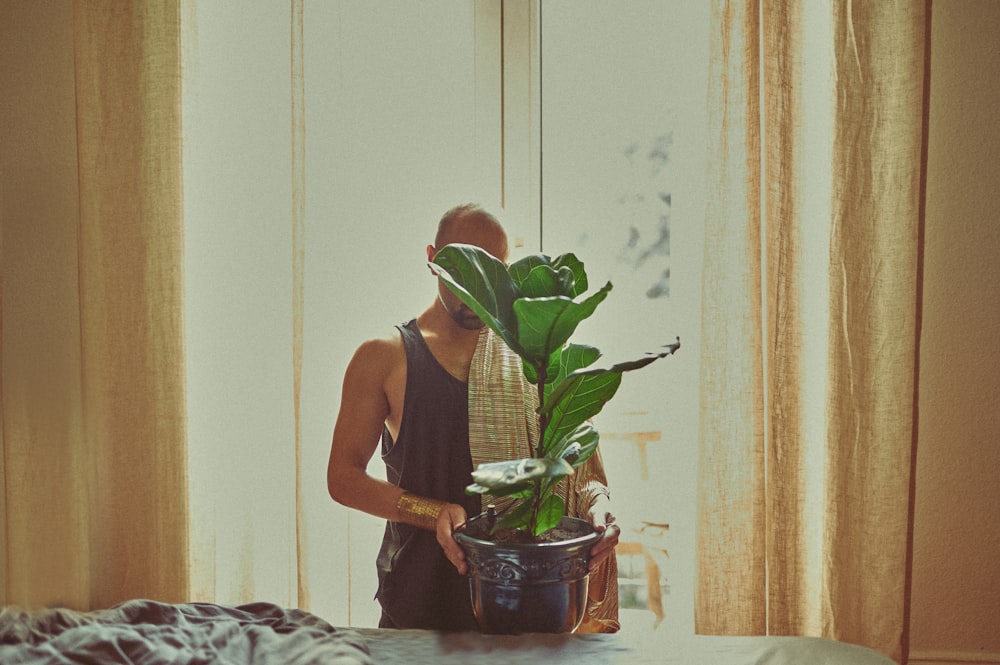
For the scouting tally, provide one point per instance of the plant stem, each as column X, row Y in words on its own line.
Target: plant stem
column 536, row 506
column 541, row 372
column 543, row 419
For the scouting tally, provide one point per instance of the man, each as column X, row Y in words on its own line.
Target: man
column 411, row 389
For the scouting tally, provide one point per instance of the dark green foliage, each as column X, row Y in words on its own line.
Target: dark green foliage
column 533, row 306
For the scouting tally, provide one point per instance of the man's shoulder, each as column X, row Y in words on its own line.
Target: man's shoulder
column 377, row 351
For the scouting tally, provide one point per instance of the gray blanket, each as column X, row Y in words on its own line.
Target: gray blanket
column 144, row 632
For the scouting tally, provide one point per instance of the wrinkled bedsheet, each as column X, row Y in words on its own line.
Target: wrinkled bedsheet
column 145, row 632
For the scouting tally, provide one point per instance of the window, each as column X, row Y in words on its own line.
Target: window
column 620, row 120
column 579, row 122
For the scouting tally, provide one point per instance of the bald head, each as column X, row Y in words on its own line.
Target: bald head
column 472, row 225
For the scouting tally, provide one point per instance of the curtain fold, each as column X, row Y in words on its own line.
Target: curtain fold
column 93, row 410
column 130, row 243
column 787, row 449
column 877, row 171
column 731, row 469
column 816, row 464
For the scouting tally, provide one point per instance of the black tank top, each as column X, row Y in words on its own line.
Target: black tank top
column 418, row 586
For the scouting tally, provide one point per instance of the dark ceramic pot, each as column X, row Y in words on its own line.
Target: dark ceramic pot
column 531, row 587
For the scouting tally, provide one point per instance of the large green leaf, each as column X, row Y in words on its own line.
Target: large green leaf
column 572, row 381
column 545, row 281
column 582, row 392
column 576, row 399
column 481, row 281
column 512, row 476
column 579, row 274
column 520, row 269
column 567, row 360
column 544, row 325
column 576, row 446
column 571, row 358
column 518, row 517
column 551, row 511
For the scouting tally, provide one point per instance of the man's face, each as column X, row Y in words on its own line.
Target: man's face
column 460, row 313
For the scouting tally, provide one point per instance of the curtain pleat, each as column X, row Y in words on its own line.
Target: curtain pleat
column 787, row 524
column 731, row 537
column 93, row 508
column 877, row 169
column 828, row 494
column 131, row 338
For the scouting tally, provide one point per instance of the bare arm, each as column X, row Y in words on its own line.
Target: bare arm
column 364, row 408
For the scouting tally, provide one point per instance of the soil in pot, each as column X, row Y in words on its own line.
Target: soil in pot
column 518, row 537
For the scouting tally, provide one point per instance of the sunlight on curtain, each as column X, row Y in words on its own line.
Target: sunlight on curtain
column 877, row 173
column 797, row 66
column 130, row 243
column 731, row 520
column 810, row 467
column 93, row 390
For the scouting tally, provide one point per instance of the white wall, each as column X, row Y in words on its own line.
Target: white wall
column 237, row 299
column 394, row 136
column 620, row 131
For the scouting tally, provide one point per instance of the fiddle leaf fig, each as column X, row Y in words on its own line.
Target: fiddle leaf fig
column 544, row 280
column 533, row 307
column 571, row 358
column 581, row 397
column 550, row 512
column 546, row 324
column 517, row 517
column 481, row 281
column 576, row 446
column 579, row 274
column 497, row 476
column 583, row 392
column 520, row 271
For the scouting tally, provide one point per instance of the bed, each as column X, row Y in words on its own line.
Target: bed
column 150, row 633
column 413, row 646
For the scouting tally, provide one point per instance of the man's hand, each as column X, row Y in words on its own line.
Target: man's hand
column 451, row 517
column 603, row 522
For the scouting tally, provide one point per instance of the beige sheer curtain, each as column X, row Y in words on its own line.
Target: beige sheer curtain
column 93, row 501
column 806, row 446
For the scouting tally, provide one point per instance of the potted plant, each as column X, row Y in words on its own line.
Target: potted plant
column 528, row 562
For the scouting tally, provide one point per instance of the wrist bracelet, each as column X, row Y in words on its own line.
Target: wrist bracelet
column 419, row 511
